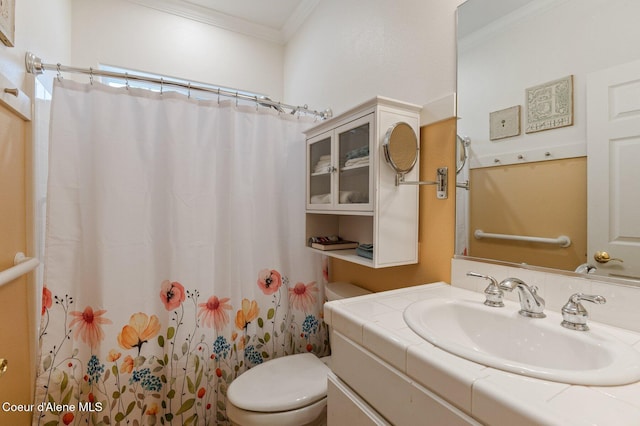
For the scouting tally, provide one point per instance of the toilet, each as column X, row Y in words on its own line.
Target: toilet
column 286, row 391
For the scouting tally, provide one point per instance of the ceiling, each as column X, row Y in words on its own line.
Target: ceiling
column 272, row 20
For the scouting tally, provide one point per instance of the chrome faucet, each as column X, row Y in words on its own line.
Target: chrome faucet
column 574, row 315
column 492, row 292
column 531, row 305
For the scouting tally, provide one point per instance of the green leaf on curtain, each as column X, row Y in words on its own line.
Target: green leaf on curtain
column 131, row 406
column 221, row 406
column 115, row 395
column 267, row 337
column 190, row 420
column 67, row 397
column 199, row 378
column 46, row 363
column 64, row 383
column 185, row 348
column 114, row 369
column 161, row 341
column 119, row 417
column 271, row 313
column 192, row 388
column 260, row 322
column 171, row 332
column 51, row 423
column 186, row 406
column 168, row 416
column 171, row 393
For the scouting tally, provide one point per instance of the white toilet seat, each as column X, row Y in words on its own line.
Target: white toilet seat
column 290, row 390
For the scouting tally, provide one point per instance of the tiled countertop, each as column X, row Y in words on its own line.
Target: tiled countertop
column 491, row 396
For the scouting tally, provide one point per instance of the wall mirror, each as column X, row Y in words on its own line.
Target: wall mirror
column 530, row 179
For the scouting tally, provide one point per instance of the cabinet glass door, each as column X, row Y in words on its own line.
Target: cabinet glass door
column 354, row 164
column 321, row 168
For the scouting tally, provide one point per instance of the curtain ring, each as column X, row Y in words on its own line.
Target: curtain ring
column 189, row 91
column 91, row 76
column 279, row 109
column 218, row 96
column 161, row 85
column 126, row 80
column 59, row 76
column 236, row 99
column 256, row 98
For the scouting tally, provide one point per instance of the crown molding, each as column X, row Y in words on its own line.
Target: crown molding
column 188, row 10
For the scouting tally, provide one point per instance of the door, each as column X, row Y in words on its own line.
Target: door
column 613, row 170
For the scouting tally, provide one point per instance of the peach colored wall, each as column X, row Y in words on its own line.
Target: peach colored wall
column 501, row 202
column 15, row 339
column 437, row 223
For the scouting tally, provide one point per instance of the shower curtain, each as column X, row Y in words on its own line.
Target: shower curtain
column 174, row 257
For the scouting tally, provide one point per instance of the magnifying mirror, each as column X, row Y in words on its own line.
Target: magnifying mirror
column 401, row 148
column 401, row 151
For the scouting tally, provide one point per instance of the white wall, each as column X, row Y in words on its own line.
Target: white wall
column 349, row 51
column 576, row 37
column 42, row 27
column 119, row 33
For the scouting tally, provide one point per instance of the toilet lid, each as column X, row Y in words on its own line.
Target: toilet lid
column 282, row 384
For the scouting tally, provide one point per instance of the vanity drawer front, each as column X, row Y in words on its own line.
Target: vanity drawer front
column 345, row 407
column 391, row 393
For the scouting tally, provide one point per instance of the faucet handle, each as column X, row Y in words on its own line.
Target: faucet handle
column 574, row 315
column 493, row 293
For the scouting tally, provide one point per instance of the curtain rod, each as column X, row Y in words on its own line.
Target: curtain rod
column 34, row 65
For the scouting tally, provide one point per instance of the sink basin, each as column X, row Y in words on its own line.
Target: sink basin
column 541, row 348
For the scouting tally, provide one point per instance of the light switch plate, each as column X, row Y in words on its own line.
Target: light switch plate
column 504, row 123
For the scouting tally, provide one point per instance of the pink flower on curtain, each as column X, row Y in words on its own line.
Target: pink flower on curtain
column 172, row 294
column 213, row 312
column 269, row 281
column 88, row 325
column 46, row 299
column 248, row 313
column 302, row 296
column 140, row 329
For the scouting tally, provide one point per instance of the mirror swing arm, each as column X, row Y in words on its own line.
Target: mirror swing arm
column 401, row 150
column 442, row 173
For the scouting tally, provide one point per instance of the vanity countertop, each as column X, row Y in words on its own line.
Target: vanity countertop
column 491, row 396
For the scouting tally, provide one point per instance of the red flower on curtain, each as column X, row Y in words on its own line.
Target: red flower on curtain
column 269, row 281
column 46, row 299
column 213, row 313
column 172, row 294
column 88, row 325
column 302, row 296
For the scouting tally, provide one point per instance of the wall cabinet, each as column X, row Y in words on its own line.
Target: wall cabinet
column 351, row 191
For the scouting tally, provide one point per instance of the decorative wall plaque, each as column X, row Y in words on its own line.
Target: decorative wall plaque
column 550, row 105
column 504, row 123
column 7, row 21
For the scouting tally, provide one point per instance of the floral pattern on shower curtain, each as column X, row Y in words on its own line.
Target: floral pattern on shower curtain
column 174, row 257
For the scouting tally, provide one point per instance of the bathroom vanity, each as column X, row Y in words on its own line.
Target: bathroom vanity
column 385, row 373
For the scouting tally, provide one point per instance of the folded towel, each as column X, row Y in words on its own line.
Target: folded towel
column 358, row 152
column 320, row 199
column 357, row 161
column 365, row 250
column 353, row 197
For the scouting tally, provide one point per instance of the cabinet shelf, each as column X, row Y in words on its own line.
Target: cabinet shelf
column 358, row 167
column 347, row 254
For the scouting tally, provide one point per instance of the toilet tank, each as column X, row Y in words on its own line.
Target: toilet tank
column 343, row 290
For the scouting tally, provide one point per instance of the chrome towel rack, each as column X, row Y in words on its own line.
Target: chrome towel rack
column 562, row 240
column 22, row 265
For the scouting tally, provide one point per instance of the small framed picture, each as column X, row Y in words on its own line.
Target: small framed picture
column 550, row 105
column 504, row 123
column 7, row 22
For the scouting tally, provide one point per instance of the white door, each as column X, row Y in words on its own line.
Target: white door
column 613, row 181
